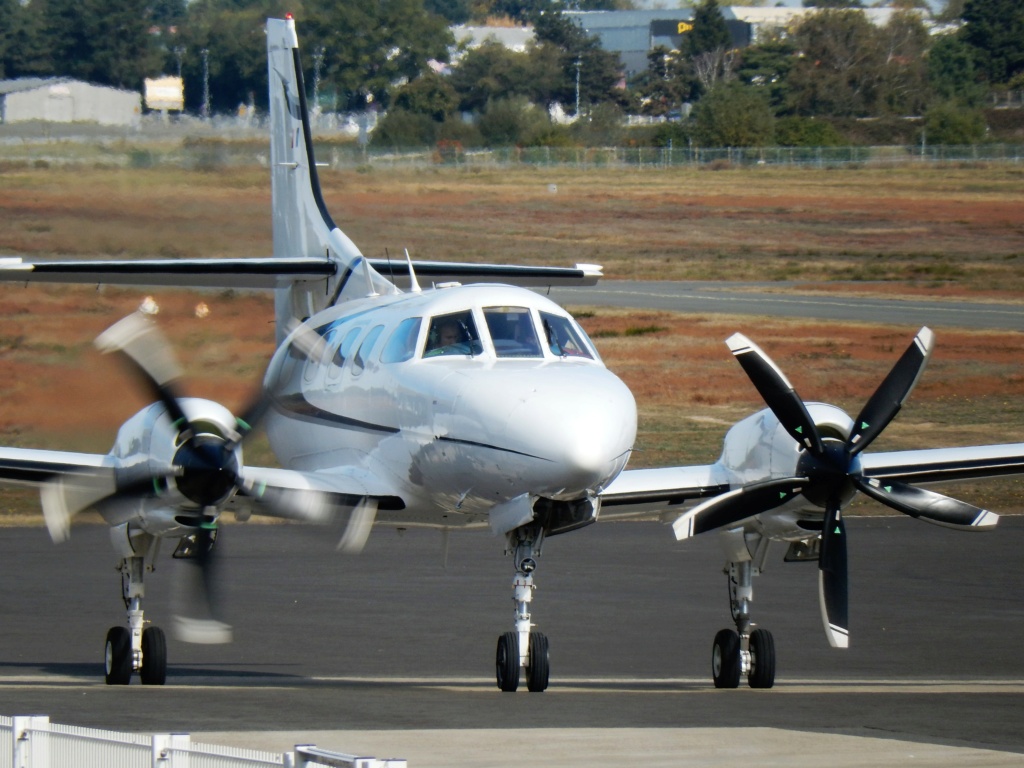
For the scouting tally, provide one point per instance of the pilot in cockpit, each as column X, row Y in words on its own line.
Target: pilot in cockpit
column 450, row 335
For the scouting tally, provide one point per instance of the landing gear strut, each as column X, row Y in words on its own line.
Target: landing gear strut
column 135, row 648
column 743, row 651
column 523, row 648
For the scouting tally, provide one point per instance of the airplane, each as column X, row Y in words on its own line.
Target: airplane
column 475, row 403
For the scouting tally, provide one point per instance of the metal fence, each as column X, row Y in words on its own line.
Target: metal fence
column 34, row 742
column 225, row 149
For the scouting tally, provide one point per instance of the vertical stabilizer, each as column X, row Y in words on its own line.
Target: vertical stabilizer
column 302, row 226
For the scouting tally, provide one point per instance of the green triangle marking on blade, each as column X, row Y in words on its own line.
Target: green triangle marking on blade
column 864, row 425
column 799, row 430
column 782, row 494
column 887, row 488
column 837, row 531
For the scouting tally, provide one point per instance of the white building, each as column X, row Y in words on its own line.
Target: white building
column 63, row 100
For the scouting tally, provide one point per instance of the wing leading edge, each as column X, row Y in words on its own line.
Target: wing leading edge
column 273, row 272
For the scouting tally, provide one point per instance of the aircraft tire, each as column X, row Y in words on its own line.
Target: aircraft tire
column 154, row 657
column 725, row 659
column 540, row 666
column 507, row 662
column 762, row 648
column 117, row 656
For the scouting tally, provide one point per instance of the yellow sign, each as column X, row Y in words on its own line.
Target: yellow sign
column 684, row 27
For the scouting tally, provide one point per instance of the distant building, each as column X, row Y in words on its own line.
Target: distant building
column 63, row 100
column 633, row 34
column 513, row 38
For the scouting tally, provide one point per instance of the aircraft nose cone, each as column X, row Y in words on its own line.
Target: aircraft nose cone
column 583, row 424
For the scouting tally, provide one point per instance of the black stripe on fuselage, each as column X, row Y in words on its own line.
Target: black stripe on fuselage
column 296, row 406
column 299, row 407
column 475, row 444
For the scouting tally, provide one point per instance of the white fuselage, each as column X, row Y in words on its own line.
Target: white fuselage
column 453, row 434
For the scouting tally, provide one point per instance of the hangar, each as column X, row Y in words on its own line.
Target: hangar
column 64, row 100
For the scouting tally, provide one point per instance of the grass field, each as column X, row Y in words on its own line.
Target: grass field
column 942, row 232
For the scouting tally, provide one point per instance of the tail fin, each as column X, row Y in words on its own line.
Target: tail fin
column 302, row 225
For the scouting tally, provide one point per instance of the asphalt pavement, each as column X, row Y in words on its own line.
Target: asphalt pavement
column 395, row 649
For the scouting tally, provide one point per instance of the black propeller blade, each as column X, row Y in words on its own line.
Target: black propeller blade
column 885, row 403
column 831, row 471
column 833, row 585
column 777, row 392
column 736, row 505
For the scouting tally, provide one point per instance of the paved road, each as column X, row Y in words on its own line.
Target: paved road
column 393, row 641
column 788, row 300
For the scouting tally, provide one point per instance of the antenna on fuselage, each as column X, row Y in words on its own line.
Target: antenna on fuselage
column 414, row 284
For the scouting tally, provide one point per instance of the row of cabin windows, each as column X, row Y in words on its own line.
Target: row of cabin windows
column 512, row 331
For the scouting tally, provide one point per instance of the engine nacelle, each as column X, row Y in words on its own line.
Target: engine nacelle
column 149, row 445
column 759, row 448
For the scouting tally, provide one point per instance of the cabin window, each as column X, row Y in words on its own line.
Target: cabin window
column 564, row 337
column 342, row 352
column 453, row 334
column 401, row 345
column 512, row 332
column 359, row 361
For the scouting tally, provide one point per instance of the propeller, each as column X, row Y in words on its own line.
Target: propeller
column 205, row 471
column 829, row 472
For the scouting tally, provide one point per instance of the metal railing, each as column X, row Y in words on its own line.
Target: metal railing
column 34, row 742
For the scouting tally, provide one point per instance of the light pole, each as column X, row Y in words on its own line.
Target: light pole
column 206, row 82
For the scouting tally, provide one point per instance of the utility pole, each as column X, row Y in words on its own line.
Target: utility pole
column 206, row 82
column 578, row 63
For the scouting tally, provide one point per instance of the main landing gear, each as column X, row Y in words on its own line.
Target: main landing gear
column 523, row 649
column 135, row 648
column 742, row 652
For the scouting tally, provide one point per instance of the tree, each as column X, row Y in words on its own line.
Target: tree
column 832, row 74
column 950, row 123
column 236, row 53
column 372, row 45
column 667, row 82
column 900, row 81
column 952, row 75
column 492, row 71
column 430, row 95
column 733, row 115
column 95, row 40
column 599, row 71
column 994, row 29
column 766, row 66
column 709, row 32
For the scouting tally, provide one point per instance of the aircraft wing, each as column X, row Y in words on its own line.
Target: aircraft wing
column 26, row 467
column 275, row 273
column 939, row 465
column 652, row 492
column 199, row 273
column 508, row 274
column 270, row 491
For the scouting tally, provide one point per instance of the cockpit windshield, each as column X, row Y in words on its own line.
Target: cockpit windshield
column 512, row 332
column 453, row 334
column 564, row 338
